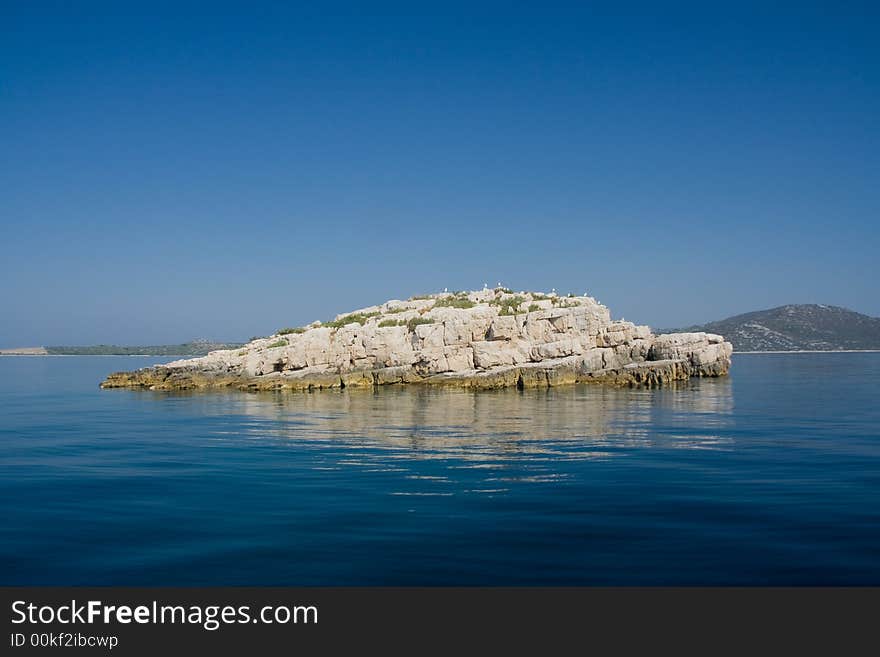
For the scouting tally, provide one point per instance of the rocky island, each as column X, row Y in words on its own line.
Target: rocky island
column 489, row 338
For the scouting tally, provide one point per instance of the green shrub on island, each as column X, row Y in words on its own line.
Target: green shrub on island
column 411, row 324
column 288, row 331
column 454, row 301
column 278, row 343
column 508, row 306
column 417, row 321
column 354, row 318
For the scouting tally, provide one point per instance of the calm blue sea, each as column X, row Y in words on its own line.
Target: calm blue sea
column 771, row 476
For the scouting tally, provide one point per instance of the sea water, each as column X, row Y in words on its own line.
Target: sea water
column 768, row 476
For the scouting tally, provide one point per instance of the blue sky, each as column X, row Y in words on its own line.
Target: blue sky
column 170, row 172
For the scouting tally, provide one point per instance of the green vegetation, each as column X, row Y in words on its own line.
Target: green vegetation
column 288, row 331
column 506, row 290
column 194, row 348
column 398, row 309
column 417, row 321
column 455, row 301
column 411, row 324
column 508, row 306
column 278, row 343
column 421, row 297
column 533, row 307
column 354, row 318
column 540, row 297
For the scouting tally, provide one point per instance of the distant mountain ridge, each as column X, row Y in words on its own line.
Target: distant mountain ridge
column 797, row 327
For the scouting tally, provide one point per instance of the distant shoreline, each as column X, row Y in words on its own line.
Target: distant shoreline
column 2, row 353
column 813, row 351
column 194, row 348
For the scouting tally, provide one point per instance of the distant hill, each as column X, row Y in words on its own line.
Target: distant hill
column 807, row 327
column 194, row 348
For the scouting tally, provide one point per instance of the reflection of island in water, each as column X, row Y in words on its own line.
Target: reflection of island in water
column 436, row 434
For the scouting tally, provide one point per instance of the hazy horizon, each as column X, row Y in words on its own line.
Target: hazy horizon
column 269, row 331
column 171, row 174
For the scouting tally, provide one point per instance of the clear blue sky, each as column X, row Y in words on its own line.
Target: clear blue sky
column 172, row 171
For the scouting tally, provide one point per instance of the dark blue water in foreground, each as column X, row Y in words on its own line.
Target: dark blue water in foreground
column 769, row 477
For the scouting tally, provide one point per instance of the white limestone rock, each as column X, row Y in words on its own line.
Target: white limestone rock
column 473, row 338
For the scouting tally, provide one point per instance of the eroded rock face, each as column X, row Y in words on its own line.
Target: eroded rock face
column 482, row 339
